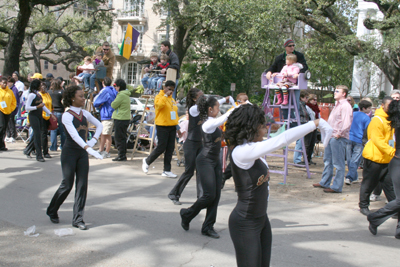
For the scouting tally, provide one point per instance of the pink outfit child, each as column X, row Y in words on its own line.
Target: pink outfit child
column 288, row 81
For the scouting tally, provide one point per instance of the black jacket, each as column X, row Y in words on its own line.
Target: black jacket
column 173, row 62
column 280, row 62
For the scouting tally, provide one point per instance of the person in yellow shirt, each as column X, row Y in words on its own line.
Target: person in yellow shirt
column 377, row 153
column 8, row 103
column 166, row 121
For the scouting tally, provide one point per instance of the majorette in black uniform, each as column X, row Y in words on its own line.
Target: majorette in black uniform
column 74, row 161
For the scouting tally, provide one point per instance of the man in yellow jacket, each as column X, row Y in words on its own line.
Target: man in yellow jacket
column 8, row 103
column 166, row 121
column 378, row 152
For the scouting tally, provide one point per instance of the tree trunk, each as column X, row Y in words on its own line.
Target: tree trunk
column 16, row 39
column 35, row 54
column 181, row 42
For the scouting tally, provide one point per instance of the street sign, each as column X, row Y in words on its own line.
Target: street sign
column 233, row 87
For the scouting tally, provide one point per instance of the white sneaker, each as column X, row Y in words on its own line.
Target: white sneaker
column 326, row 132
column 145, row 167
column 374, row 197
column 12, row 140
column 7, row 140
column 347, row 181
column 107, row 155
column 169, row 175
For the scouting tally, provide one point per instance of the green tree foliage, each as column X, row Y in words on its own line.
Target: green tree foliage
column 337, row 20
column 35, row 29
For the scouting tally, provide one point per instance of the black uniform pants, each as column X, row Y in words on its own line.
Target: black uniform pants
column 191, row 150
column 11, row 132
column 166, row 143
column 374, row 173
column 310, row 140
column 393, row 207
column 252, row 239
column 73, row 162
column 3, row 127
column 210, row 174
column 43, row 137
column 120, row 135
column 36, row 124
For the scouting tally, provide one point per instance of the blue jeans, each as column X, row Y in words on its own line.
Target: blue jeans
column 53, row 133
column 92, row 81
column 145, row 81
column 297, row 155
column 86, row 77
column 334, row 157
column 159, row 82
column 354, row 153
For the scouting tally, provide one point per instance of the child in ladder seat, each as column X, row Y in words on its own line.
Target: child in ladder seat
column 290, row 72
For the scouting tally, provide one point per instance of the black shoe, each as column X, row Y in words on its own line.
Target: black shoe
column 185, row 222
column 119, row 159
column 365, row 211
column 40, row 159
column 397, row 236
column 312, row 162
column 373, row 229
column 3, row 149
column 210, row 233
column 80, row 225
column 47, row 156
column 172, row 196
column 53, row 218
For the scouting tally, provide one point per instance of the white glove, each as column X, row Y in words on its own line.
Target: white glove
column 94, row 153
column 326, row 132
column 232, row 101
column 91, row 142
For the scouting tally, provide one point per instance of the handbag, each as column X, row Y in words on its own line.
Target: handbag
column 53, row 123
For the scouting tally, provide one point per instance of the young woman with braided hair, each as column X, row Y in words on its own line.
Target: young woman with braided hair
column 249, row 226
column 191, row 147
column 74, row 155
column 209, row 169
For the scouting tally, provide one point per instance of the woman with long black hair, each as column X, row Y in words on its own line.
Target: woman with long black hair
column 393, row 207
column 36, row 106
column 249, row 225
column 74, row 155
column 208, row 165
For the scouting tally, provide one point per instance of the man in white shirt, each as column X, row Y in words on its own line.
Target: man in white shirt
column 20, row 85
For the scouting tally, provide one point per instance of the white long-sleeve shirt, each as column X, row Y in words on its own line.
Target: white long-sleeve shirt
column 29, row 107
column 211, row 124
column 246, row 154
column 67, row 119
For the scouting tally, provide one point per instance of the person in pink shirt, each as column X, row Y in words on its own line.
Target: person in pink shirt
column 340, row 120
column 290, row 72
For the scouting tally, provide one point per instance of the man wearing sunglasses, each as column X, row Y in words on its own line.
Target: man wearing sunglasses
column 280, row 60
column 108, row 59
column 340, row 120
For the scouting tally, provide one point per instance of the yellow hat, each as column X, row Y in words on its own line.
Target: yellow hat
column 37, row 76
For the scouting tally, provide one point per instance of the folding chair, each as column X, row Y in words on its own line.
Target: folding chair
column 21, row 127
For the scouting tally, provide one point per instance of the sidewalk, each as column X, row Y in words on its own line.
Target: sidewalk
column 133, row 223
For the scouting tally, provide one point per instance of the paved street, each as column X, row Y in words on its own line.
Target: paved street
column 133, row 223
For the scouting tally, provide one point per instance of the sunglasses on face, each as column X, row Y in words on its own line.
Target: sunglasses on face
column 290, row 45
column 105, row 49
